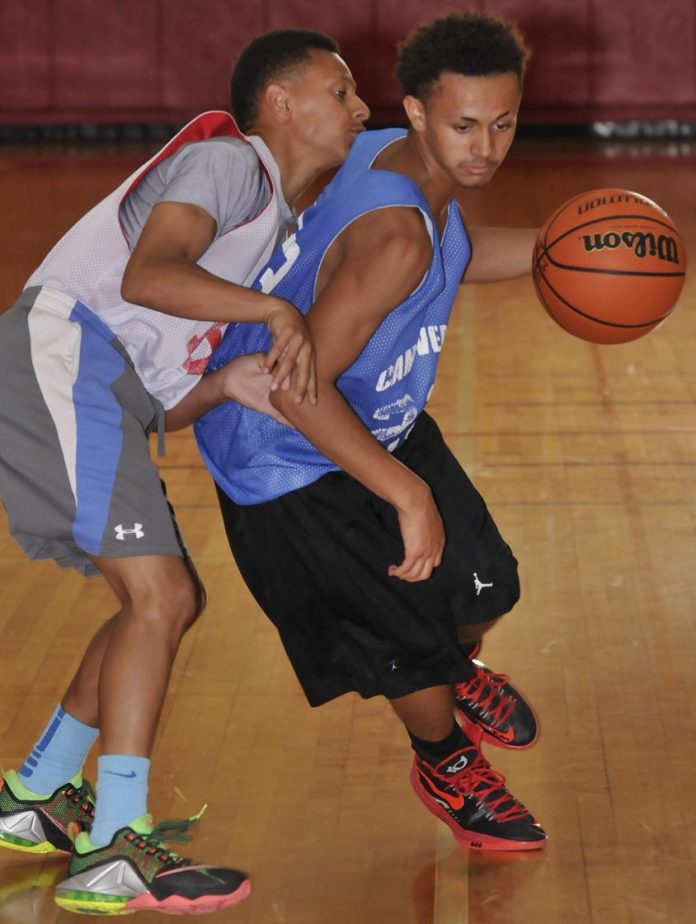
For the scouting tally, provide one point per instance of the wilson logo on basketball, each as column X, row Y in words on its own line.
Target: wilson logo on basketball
column 663, row 247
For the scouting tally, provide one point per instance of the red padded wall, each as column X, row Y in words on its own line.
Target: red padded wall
column 163, row 60
column 200, row 40
column 26, row 61
column 106, row 55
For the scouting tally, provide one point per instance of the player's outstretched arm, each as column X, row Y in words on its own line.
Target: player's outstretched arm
column 374, row 266
column 162, row 273
column 500, row 253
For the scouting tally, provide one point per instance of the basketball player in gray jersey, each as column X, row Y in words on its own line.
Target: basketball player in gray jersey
column 112, row 330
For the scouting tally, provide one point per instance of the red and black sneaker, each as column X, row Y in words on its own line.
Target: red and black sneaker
column 491, row 703
column 470, row 796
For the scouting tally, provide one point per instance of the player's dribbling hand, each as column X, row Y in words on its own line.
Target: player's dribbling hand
column 423, row 536
column 292, row 352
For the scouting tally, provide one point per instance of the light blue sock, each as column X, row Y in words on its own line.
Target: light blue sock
column 58, row 755
column 121, row 795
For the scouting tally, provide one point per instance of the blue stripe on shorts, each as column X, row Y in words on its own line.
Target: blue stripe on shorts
column 99, row 433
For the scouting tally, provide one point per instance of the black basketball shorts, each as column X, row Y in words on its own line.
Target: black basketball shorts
column 316, row 561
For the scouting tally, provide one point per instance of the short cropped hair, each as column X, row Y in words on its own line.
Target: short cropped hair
column 267, row 58
column 471, row 44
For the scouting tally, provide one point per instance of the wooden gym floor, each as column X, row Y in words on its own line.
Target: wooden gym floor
column 587, row 457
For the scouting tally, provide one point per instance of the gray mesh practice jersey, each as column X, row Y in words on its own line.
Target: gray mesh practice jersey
column 169, row 352
column 221, row 175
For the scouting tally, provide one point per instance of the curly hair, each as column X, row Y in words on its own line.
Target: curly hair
column 471, row 44
column 269, row 57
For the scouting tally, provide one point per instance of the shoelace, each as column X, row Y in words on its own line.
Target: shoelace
column 483, row 690
column 82, row 796
column 483, row 782
column 176, row 830
column 154, row 846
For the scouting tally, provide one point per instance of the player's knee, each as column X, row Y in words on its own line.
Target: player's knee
column 171, row 607
column 186, row 604
column 508, row 585
column 512, row 585
column 200, row 601
column 496, row 585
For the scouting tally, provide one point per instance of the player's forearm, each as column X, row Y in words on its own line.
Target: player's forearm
column 337, row 432
column 500, row 253
column 206, row 394
column 180, row 287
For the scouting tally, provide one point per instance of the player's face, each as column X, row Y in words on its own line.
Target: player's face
column 467, row 125
column 327, row 112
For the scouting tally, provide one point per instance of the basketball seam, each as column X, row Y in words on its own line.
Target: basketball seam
column 590, row 317
column 609, row 272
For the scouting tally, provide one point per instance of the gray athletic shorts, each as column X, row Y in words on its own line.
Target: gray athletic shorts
column 76, row 474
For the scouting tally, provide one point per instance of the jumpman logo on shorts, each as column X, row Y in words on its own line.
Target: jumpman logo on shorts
column 479, row 585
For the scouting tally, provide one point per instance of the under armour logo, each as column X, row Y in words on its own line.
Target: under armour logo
column 479, row 585
column 137, row 531
column 458, row 765
column 394, row 665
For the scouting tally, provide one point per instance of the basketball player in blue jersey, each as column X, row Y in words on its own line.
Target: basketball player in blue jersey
column 356, row 529
column 113, row 329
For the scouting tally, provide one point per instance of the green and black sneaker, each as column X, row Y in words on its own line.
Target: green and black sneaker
column 40, row 824
column 137, row 872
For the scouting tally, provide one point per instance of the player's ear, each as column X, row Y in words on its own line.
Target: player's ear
column 276, row 99
column 415, row 112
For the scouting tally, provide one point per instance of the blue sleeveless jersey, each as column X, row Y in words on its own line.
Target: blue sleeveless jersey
column 253, row 457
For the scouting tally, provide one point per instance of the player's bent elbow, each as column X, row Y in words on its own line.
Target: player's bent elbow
column 131, row 287
column 136, row 284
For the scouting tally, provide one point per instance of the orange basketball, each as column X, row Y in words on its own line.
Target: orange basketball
column 609, row 265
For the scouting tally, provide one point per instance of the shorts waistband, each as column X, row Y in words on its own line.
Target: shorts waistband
column 52, row 300
column 65, row 306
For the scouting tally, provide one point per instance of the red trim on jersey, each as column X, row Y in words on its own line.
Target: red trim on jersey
column 207, row 125
column 214, row 124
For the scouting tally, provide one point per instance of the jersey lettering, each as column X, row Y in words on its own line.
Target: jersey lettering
column 430, row 340
column 290, row 251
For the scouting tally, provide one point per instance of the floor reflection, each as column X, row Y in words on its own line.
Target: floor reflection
column 25, row 888
column 471, row 887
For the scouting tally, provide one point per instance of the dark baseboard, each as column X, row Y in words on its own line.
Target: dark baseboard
column 601, row 130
